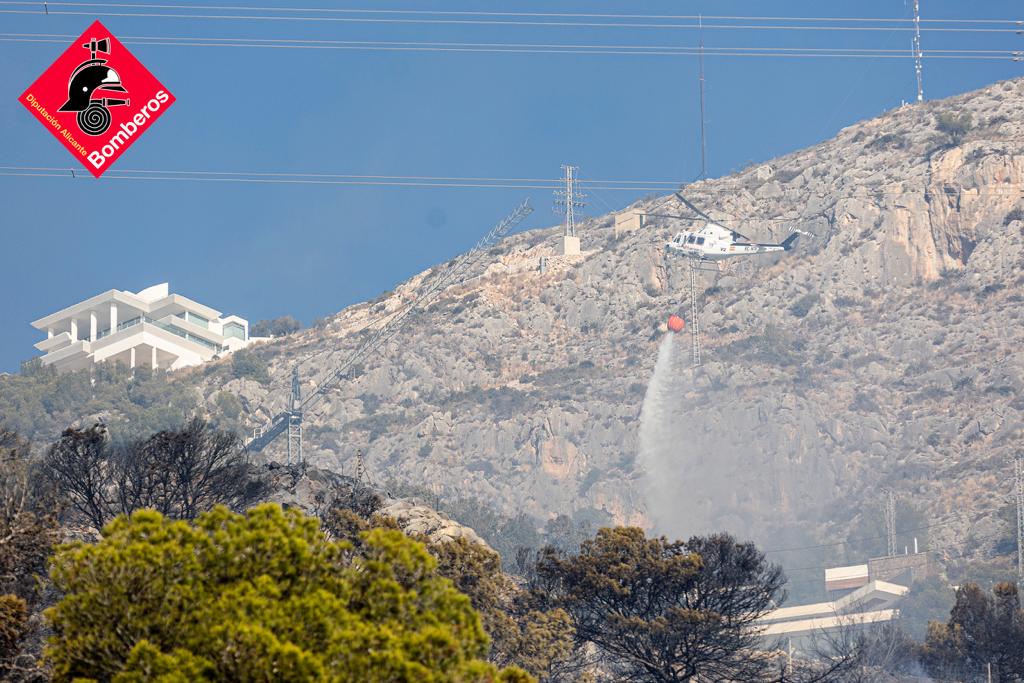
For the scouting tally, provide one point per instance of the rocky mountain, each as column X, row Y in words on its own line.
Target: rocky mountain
column 885, row 351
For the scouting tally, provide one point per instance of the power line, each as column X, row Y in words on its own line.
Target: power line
column 527, row 48
column 859, row 540
column 292, row 178
column 506, row 14
column 609, row 46
column 183, row 176
column 320, row 16
column 556, row 181
column 939, row 549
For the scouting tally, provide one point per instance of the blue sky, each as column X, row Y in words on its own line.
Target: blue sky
column 262, row 251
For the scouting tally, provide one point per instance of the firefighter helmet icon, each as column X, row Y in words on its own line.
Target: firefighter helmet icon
column 88, row 86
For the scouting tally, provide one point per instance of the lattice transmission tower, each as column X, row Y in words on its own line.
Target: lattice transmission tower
column 568, row 199
column 295, row 420
column 890, row 521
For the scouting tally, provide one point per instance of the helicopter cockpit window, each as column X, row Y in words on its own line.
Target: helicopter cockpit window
column 689, row 239
column 700, row 240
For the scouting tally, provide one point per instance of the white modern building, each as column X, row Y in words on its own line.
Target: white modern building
column 152, row 328
column 872, row 603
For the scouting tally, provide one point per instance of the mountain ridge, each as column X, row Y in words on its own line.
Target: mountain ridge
column 524, row 389
column 883, row 352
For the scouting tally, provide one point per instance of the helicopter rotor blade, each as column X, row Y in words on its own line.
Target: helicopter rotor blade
column 686, row 202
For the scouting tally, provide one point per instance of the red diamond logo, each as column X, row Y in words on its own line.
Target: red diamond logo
column 97, row 99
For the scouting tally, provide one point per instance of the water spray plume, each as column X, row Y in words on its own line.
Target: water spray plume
column 661, row 436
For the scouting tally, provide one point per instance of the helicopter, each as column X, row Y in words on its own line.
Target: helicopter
column 714, row 242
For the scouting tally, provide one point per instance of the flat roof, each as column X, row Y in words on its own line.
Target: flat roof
column 854, row 571
column 128, row 299
column 800, row 611
column 803, row 627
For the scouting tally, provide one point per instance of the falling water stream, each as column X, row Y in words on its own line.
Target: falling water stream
column 662, row 434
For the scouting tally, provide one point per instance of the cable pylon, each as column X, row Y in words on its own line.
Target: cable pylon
column 890, row 522
column 361, row 475
column 568, row 199
column 295, row 420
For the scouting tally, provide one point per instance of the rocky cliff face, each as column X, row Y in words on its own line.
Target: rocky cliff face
column 883, row 352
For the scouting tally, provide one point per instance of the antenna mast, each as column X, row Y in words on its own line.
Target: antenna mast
column 703, row 142
column 918, row 67
column 1018, row 477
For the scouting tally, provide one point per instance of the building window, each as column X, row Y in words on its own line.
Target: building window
column 234, row 330
column 197, row 319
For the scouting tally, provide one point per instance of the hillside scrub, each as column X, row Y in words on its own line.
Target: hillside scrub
column 260, row 597
column 278, row 327
column 39, row 403
column 247, row 364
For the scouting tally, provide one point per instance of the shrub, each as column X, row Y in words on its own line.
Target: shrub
column 278, row 327
column 802, row 306
column 260, row 597
column 13, row 617
column 1016, row 214
column 889, row 140
column 228, row 404
column 245, row 364
column 953, row 125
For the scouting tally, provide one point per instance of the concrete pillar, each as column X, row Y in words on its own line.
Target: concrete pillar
column 113, row 318
column 152, row 357
column 131, row 358
column 92, row 326
column 74, row 330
